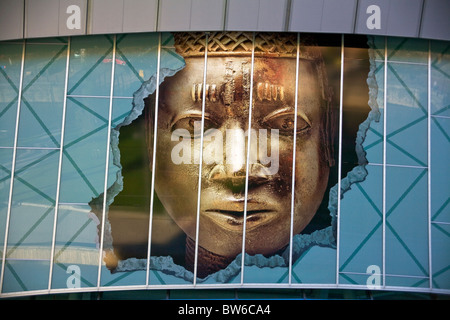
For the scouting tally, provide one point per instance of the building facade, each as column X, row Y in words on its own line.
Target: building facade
column 263, row 148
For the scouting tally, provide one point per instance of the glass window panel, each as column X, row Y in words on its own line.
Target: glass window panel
column 76, row 252
column 84, row 152
column 5, row 180
column 360, row 242
column 440, row 78
column 128, row 196
column 314, row 247
column 440, row 171
column 10, row 65
column 176, row 168
column 440, row 234
column 407, row 50
column 270, row 167
column 136, row 59
column 406, row 124
column 406, row 222
column 42, row 96
column 31, row 221
column 90, row 65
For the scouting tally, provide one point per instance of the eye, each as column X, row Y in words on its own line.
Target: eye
column 191, row 124
column 285, row 123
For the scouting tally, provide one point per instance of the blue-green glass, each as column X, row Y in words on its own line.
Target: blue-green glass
column 373, row 141
column 406, row 222
column 136, row 59
column 440, row 169
column 90, row 65
column 407, row 50
column 440, row 239
column 31, row 220
column 406, row 124
column 5, row 180
column 75, row 245
column 10, row 64
column 85, row 143
column 360, row 244
column 42, row 95
column 440, row 78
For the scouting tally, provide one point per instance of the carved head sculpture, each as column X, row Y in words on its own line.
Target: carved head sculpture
column 235, row 90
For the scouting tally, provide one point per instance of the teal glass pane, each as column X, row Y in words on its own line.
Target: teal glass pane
column 31, row 221
column 90, row 65
column 84, row 152
column 361, row 227
column 440, row 239
column 406, row 124
column 406, row 222
column 440, row 78
column 5, row 180
column 407, row 50
column 373, row 141
column 42, row 96
column 136, row 59
column 440, row 169
column 10, row 64
column 76, row 252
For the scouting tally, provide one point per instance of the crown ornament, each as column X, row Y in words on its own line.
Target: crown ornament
column 234, row 43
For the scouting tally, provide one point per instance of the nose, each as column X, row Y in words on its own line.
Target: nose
column 236, row 180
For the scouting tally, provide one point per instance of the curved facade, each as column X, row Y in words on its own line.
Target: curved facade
column 324, row 146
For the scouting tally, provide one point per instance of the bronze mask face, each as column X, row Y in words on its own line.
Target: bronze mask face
column 226, row 119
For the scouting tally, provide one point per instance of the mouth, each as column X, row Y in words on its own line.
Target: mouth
column 234, row 219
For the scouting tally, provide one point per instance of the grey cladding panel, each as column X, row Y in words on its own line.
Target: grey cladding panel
column 436, row 20
column 11, row 19
column 272, row 15
column 404, row 18
column 207, row 15
column 72, row 17
column 306, row 15
column 338, row 16
column 174, row 15
column 106, row 16
column 242, row 15
column 366, row 13
column 42, row 18
column 139, row 15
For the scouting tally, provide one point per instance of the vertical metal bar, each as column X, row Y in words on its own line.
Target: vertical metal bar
column 152, row 190
column 13, row 167
column 384, row 160
column 248, row 158
column 200, row 163
column 430, row 273
column 61, row 148
column 341, row 90
column 293, row 158
column 105, row 187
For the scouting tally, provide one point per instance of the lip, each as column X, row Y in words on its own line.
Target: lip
column 231, row 215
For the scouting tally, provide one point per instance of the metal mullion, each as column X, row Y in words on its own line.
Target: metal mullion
column 58, row 183
column 200, row 162
column 105, row 188
column 13, row 167
column 248, row 159
column 341, row 90
column 152, row 190
column 293, row 158
column 430, row 273
column 384, row 163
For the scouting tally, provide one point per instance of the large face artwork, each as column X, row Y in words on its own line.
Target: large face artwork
column 225, row 140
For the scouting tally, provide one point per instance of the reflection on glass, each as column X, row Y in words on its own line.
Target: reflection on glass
column 31, row 221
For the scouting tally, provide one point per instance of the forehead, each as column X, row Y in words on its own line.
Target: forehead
column 228, row 81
